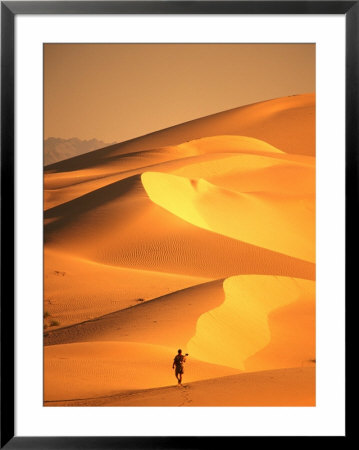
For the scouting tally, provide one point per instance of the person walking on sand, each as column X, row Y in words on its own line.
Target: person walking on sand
column 178, row 363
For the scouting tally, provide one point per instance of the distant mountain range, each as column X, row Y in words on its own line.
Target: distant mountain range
column 57, row 149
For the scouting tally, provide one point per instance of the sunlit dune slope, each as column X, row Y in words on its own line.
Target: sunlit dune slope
column 87, row 370
column 119, row 225
column 277, row 222
column 286, row 123
column 284, row 387
column 265, row 322
column 76, row 289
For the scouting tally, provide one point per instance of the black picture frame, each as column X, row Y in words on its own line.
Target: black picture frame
column 9, row 9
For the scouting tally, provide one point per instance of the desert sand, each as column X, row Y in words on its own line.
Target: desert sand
column 201, row 237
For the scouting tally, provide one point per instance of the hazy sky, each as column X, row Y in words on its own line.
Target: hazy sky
column 115, row 92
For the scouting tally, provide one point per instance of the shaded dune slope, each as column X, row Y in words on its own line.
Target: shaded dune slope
column 169, row 320
column 77, row 289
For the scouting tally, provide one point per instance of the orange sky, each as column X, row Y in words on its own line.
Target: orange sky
column 115, row 92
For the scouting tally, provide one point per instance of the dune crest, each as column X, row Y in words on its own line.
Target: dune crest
column 228, row 144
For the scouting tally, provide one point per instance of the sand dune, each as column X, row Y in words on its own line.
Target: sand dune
column 200, row 236
column 145, row 236
column 286, row 123
column 280, row 309
column 141, row 232
column 284, row 338
column 250, row 153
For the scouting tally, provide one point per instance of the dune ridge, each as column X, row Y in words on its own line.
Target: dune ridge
column 274, row 121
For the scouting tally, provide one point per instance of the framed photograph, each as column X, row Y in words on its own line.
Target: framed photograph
column 179, row 183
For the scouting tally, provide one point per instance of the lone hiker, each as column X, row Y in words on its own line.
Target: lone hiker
column 178, row 362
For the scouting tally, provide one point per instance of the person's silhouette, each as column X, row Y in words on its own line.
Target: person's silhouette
column 178, row 363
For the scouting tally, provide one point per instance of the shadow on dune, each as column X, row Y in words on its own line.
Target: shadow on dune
column 155, row 321
column 68, row 212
